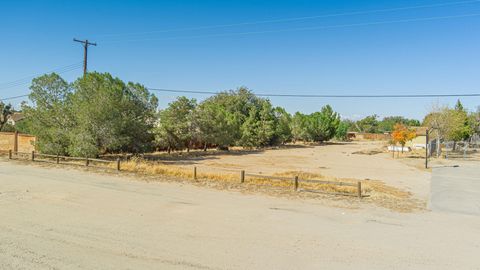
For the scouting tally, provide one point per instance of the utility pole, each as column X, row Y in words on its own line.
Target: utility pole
column 426, row 148
column 85, row 43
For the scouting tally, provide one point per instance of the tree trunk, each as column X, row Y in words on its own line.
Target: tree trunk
column 169, row 149
column 454, row 145
column 205, row 147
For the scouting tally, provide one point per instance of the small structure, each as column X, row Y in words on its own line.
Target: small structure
column 419, row 142
column 15, row 118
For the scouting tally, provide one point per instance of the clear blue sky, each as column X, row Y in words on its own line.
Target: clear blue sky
column 419, row 57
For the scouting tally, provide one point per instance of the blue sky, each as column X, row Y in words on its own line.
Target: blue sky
column 152, row 42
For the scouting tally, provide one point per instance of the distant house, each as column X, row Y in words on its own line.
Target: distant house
column 418, row 142
column 15, row 118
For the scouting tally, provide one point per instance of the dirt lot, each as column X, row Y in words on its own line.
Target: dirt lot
column 356, row 160
column 55, row 218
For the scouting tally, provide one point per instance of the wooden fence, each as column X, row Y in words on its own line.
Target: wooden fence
column 243, row 176
column 86, row 161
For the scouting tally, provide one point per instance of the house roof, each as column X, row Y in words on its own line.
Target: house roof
column 17, row 116
column 420, row 131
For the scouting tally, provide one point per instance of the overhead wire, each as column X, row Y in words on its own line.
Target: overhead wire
column 323, row 96
column 303, row 28
column 26, row 80
column 293, row 19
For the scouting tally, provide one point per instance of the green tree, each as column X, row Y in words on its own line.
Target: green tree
column 457, row 125
column 283, row 132
column 298, row 127
column 459, row 106
column 215, row 124
column 259, row 127
column 387, row 124
column 111, row 116
column 368, row 124
column 175, row 129
column 322, row 126
column 50, row 118
column 5, row 112
column 341, row 133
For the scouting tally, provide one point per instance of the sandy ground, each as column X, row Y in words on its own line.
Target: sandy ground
column 70, row 219
column 337, row 160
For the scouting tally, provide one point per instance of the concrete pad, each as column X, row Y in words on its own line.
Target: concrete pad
column 456, row 189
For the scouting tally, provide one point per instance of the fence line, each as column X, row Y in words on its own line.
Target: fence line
column 33, row 157
column 242, row 176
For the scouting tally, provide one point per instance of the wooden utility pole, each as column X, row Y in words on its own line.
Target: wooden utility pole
column 426, row 148
column 85, row 43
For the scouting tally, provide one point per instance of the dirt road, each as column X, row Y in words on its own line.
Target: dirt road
column 69, row 219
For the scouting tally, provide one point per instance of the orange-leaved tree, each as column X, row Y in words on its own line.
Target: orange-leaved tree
column 401, row 134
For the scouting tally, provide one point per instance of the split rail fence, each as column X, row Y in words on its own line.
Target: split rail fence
column 243, row 176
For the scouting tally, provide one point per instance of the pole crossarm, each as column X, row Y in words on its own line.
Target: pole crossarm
column 85, row 43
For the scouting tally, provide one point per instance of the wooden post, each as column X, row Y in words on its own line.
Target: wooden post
column 10, row 154
column 118, row 164
column 194, row 173
column 86, row 161
column 426, row 149
column 33, row 155
column 15, row 142
column 359, row 189
column 296, row 183
column 58, row 159
column 242, row 176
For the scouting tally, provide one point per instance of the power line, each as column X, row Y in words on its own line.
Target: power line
column 15, row 97
column 306, row 28
column 323, row 96
column 26, row 80
column 300, row 95
column 294, row 18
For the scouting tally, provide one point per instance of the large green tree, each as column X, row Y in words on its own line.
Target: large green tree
column 298, row 127
column 283, row 131
column 258, row 129
column 176, row 128
column 50, row 117
column 322, row 126
column 111, row 116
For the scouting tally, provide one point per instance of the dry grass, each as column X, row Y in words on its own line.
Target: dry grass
column 369, row 152
column 375, row 191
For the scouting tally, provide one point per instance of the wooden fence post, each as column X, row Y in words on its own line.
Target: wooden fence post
column 10, row 154
column 194, row 173
column 15, row 142
column 242, row 176
column 86, row 161
column 359, row 189
column 118, row 164
column 296, row 183
column 58, row 159
column 33, row 155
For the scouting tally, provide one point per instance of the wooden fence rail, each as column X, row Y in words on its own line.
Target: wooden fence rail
column 295, row 180
column 34, row 157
